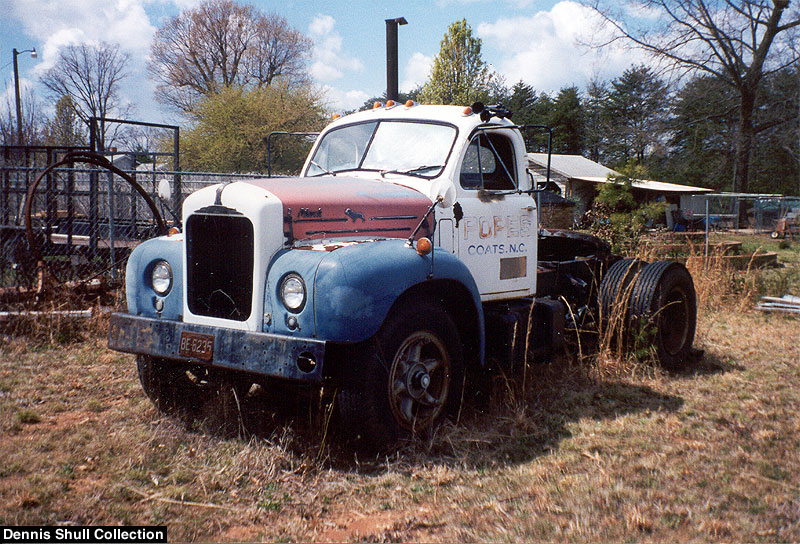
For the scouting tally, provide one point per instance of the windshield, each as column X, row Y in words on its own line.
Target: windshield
column 414, row 148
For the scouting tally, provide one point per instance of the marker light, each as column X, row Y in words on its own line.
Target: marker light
column 377, row 105
column 336, row 116
column 424, row 246
column 410, row 104
column 390, row 103
column 174, row 230
column 467, row 111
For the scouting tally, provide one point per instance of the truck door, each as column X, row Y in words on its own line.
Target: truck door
column 496, row 237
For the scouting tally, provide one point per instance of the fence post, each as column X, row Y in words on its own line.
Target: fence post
column 111, row 206
column 177, row 191
column 706, row 241
column 6, row 185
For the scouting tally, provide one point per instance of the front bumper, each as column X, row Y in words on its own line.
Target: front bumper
column 271, row 355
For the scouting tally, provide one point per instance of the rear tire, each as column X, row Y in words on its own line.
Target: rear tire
column 405, row 380
column 664, row 312
column 615, row 295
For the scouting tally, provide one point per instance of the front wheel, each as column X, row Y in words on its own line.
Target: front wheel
column 190, row 392
column 173, row 387
column 406, row 380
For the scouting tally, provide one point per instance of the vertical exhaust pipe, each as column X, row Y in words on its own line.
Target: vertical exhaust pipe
column 391, row 57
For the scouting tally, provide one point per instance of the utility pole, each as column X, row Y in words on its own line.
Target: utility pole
column 16, row 90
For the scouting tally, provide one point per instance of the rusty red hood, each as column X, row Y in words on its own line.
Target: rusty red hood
column 315, row 208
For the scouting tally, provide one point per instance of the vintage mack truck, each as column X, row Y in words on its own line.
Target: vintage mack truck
column 406, row 259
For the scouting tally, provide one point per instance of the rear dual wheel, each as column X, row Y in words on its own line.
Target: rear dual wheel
column 663, row 312
column 655, row 306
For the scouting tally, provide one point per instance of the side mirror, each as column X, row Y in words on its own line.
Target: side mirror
column 445, row 190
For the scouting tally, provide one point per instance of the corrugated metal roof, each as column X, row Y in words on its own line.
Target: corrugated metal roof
column 572, row 166
column 583, row 169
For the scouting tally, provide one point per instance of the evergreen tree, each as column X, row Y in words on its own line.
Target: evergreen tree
column 637, row 103
column 522, row 101
column 567, row 121
column 596, row 121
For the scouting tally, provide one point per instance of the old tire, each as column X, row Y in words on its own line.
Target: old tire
column 404, row 381
column 663, row 312
column 615, row 290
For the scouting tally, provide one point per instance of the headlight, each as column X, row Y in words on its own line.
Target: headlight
column 161, row 278
column 293, row 292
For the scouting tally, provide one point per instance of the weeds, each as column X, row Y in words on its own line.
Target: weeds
column 606, row 448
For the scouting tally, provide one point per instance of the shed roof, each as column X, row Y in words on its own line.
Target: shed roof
column 580, row 168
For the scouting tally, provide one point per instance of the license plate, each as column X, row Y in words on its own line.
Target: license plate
column 198, row 346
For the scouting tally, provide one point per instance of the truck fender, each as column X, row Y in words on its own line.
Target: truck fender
column 356, row 286
column 139, row 294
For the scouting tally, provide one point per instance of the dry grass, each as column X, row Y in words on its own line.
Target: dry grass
column 635, row 454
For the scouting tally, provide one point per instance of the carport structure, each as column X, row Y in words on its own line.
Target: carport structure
column 579, row 177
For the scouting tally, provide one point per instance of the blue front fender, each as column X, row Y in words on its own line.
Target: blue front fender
column 356, row 286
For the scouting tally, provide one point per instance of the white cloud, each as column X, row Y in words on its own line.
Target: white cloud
column 122, row 22
column 329, row 62
column 416, row 72
column 548, row 49
column 341, row 101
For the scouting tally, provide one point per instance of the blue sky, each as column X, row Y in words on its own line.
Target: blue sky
column 537, row 41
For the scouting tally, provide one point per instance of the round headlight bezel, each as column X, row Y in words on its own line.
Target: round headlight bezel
column 161, row 278
column 292, row 292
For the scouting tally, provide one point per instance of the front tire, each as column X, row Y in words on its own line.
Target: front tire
column 172, row 388
column 190, row 393
column 404, row 381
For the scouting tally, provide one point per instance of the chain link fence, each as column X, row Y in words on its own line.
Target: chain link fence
column 763, row 214
column 85, row 220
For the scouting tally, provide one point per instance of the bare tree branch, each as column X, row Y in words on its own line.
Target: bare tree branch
column 90, row 76
column 222, row 44
column 739, row 43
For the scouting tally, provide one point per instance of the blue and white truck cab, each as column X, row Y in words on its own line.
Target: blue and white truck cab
column 406, row 257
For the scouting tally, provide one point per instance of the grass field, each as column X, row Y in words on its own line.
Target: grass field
column 582, row 452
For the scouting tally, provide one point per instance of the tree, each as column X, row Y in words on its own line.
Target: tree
column 459, row 74
column 703, row 127
column 32, row 121
column 522, row 101
column 232, row 125
column 222, row 44
column 568, row 122
column 737, row 42
column 597, row 123
column 65, row 129
column 90, row 75
column 637, row 106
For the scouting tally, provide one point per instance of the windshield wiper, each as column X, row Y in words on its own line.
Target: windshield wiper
column 413, row 171
column 314, row 163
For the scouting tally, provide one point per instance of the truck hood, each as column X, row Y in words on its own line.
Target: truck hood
column 317, row 208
